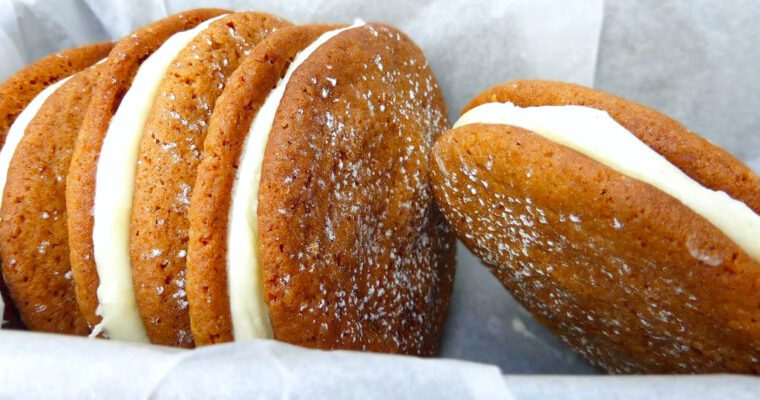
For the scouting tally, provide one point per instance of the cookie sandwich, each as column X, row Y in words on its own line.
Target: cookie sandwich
column 311, row 218
column 631, row 237
column 41, row 108
column 134, row 157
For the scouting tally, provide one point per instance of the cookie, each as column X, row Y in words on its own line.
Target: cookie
column 29, row 101
column 112, row 91
column 170, row 151
column 618, row 228
column 33, row 240
column 311, row 218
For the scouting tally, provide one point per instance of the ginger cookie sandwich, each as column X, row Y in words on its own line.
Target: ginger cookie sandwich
column 311, row 218
column 30, row 102
column 631, row 237
column 170, row 151
column 122, row 95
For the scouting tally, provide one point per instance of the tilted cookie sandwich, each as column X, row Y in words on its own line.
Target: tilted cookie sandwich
column 137, row 167
column 116, row 94
column 311, row 218
column 631, row 237
column 41, row 108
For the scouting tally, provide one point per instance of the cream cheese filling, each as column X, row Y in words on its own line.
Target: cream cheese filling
column 15, row 134
column 250, row 318
column 595, row 134
column 114, row 187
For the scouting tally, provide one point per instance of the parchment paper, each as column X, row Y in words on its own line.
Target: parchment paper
column 696, row 61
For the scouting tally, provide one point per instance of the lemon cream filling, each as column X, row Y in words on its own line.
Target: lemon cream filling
column 250, row 318
column 114, row 187
column 595, row 134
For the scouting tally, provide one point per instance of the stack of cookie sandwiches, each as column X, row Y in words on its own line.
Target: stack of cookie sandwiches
column 220, row 176
column 634, row 239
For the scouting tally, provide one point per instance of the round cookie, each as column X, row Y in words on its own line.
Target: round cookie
column 170, row 151
column 33, row 239
column 116, row 78
column 353, row 253
column 622, row 271
column 15, row 94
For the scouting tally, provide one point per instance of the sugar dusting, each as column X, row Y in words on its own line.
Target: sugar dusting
column 708, row 256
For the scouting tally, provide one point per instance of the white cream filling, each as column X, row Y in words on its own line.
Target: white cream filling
column 250, row 318
column 15, row 134
column 595, row 134
column 114, row 187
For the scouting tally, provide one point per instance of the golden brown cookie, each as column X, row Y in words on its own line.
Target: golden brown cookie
column 613, row 265
column 170, row 151
column 120, row 68
column 33, row 239
column 18, row 90
column 354, row 254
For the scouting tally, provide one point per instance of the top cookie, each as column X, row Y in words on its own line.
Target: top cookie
column 355, row 253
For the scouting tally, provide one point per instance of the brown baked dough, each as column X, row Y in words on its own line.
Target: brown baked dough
column 33, row 238
column 355, row 254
